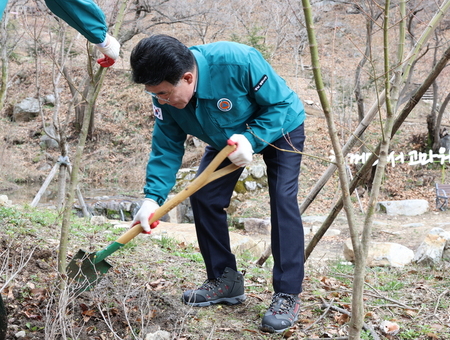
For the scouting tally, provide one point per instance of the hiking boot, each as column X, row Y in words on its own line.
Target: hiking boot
column 282, row 313
column 227, row 289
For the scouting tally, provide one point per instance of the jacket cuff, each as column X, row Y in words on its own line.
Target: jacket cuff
column 156, row 199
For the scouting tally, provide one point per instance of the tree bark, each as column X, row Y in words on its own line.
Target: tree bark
column 45, row 185
column 410, row 105
column 95, row 83
column 4, row 59
column 437, row 136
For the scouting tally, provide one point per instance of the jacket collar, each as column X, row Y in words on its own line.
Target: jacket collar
column 204, row 84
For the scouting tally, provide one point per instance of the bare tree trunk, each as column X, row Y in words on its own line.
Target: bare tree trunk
column 62, row 178
column 363, row 244
column 401, row 77
column 67, row 213
column 96, row 81
column 415, row 98
column 340, row 162
column 4, row 59
column 437, row 137
column 45, row 185
column 79, row 105
column 405, row 72
column 432, row 117
column 370, row 18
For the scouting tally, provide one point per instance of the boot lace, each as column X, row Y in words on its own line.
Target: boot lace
column 210, row 284
column 282, row 303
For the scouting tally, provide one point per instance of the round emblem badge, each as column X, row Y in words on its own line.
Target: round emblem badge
column 224, row 104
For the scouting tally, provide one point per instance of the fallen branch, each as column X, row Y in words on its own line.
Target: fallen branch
column 398, row 304
column 379, row 295
column 437, row 306
column 264, row 256
column 439, row 299
column 366, row 327
column 320, row 318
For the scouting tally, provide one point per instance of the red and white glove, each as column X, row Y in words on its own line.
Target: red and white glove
column 110, row 48
column 243, row 154
column 106, row 61
column 144, row 215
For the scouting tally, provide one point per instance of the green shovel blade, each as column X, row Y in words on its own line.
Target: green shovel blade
column 85, row 271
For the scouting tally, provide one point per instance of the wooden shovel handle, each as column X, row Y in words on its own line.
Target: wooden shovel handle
column 208, row 175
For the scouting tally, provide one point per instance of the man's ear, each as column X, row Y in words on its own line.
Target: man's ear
column 189, row 77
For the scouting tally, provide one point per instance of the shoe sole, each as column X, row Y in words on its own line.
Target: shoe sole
column 270, row 329
column 226, row 301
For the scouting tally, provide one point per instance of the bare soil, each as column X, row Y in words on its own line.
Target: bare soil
column 141, row 295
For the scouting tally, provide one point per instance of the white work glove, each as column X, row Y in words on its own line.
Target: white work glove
column 110, row 47
column 243, row 154
column 144, row 214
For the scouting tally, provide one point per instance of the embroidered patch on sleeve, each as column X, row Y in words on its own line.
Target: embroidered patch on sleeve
column 260, row 83
column 157, row 112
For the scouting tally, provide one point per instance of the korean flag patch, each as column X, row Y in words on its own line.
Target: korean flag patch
column 157, row 112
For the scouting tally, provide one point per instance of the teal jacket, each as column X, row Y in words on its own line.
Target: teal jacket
column 83, row 15
column 237, row 92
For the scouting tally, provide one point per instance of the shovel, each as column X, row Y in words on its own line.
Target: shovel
column 89, row 268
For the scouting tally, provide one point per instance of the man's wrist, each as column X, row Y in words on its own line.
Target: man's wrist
column 151, row 200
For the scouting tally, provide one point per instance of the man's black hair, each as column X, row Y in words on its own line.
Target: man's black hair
column 158, row 58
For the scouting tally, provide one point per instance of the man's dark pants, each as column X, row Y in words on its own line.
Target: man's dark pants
column 287, row 236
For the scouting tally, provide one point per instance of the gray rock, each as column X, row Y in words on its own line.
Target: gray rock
column 332, row 232
column 431, row 250
column 26, row 110
column 258, row 171
column 250, row 185
column 45, row 167
column 255, row 225
column 382, row 254
column 403, row 207
column 49, row 99
column 159, row 335
column 20, row 334
column 178, row 214
column 413, row 225
column 245, row 173
column 441, row 232
column 4, row 201
column 48, row 143
column 98, row 220
column 445, row 143
column 313, row 219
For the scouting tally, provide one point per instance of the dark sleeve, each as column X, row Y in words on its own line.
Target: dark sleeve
column 165, row 158
column 83, row 15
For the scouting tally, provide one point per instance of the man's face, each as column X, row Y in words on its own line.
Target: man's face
column 177, row 95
